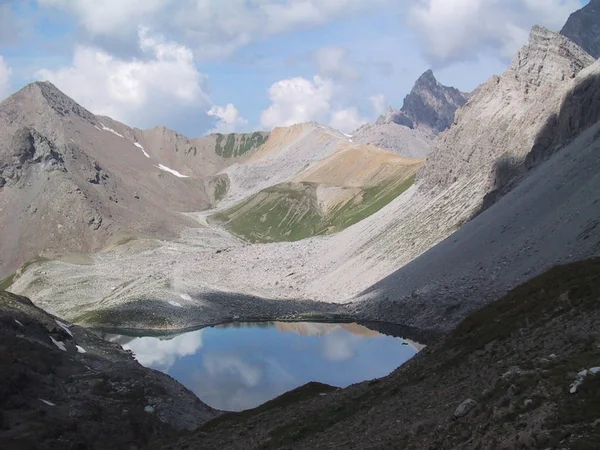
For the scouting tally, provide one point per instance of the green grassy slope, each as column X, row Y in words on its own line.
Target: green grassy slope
column 291, row 211
column 236, row 145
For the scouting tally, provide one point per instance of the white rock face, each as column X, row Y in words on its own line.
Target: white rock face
column 506, row 114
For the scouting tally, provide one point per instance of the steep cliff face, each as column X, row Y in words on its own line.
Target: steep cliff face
column 504, row 118
column 583, row 28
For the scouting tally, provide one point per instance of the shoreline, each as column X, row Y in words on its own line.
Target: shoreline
column 387, row 328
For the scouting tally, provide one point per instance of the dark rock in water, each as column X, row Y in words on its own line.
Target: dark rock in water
column 583, row 28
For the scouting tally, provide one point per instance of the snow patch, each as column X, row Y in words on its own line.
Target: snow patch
column 174, row 172
column 64, row 327
column 59, row 344
column 138, row 145
column 46, row 402
column 97, row 128
column 80, row 349
column 19, row 323
column 186, row 297
column 105, row 128
column 177, row 304
column 348, row 135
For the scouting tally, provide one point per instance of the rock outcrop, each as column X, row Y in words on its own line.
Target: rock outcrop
column 583, row 28
column 506, row 115
column 61, row 386
column 429, row 107
column 428, row 110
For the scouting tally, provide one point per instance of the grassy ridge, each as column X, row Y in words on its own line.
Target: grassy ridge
column 291, row 211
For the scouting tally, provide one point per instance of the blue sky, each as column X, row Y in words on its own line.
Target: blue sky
column 236, row 65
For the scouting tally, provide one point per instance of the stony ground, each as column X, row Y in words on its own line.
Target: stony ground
column 61, row 387
column 522, row 373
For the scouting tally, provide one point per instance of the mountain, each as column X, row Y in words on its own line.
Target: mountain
column 427, row 111
column 425, row 259
column 507, row 113
column 71, row 181
column 429, row 107
column 497, row 187
column 583, row 28
column 539, row 120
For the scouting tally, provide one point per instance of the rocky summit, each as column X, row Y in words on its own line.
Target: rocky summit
column 469, row 224
column 427, row 111
column 429, row 107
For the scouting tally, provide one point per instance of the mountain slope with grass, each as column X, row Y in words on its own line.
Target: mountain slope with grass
column 341, row 190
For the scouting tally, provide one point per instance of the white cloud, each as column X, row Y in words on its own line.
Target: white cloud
column 347, row 120
column 455, row 30
column 109, row 17
column 334, row 62
column 339, row 347
column 211, row 27
column 379, row 103
column 221, row 365
column 229, row 119
column 162, row 354
column 138, row 91
column 4, row 79
column 297, row 100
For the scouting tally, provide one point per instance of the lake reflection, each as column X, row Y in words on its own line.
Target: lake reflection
column 240, row 366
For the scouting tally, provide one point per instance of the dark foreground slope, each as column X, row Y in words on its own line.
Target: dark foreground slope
column 54, row 396
column 500, row 380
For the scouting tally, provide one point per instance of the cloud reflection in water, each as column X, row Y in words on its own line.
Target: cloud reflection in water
column 241, row 367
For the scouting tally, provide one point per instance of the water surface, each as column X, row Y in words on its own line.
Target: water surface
column 240, row 366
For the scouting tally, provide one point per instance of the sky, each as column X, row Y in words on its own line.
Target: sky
column 202, row 66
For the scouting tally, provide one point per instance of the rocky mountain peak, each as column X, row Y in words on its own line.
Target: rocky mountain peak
column 427, row 79
column 43, row 94
column 548, row 57
column 583, row 28
column 429, row 107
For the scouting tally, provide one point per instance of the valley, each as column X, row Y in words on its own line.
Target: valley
column 255, row 268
